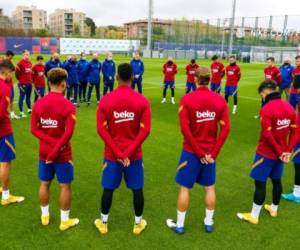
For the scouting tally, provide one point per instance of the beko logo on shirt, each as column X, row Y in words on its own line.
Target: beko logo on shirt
column 124, row 116
column 48, row 123
column 283, row 124
column 205, row 116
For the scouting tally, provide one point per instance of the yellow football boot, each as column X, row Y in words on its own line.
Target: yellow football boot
column 45, row 220
column 12, row 199
column 247, row 217
column 270, row 210
column 102, row 227
column 65, row 225
column 139, row 228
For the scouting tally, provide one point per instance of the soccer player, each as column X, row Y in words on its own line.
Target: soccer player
column 9, row 57
column 294, row 95
column 233, row 74
column 109, row 72
column 295, row 195
column 38, row 75
column 138, row 71
column 190, row 72
column 123, row 122
column 204, row 122
column 286, row 72
column 277, row 139
column 73, row 82
column 54, row 62
column 169, row 70
column 82, row 76
column 7, row 144
column 53, row 121
column 93, row 71
column 272, row 72
column 217, row 73
column 24, row 76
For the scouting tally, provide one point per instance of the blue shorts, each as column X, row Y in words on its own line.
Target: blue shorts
column 190, row 86
column 263, row 168
column 296, row 154
column 283, row 86
column 190, row 171
column 7, row 148
column 231, row 90
column 114, row 171
column 294, row 99
column 215, row 87
column 169, row 84
column 63, row 171
column 40, row 91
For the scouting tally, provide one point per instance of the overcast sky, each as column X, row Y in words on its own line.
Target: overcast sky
column 116, row 12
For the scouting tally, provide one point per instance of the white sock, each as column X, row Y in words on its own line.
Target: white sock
column 138, row 219
column 296, row 191
column 64, row 215
column 45, row 210
column 173, row 99
column 180, row 218
column 255, row 211
column 234, row 108
column 209, row 214
column 274, row 207
column 104, row 218
column 5, row 194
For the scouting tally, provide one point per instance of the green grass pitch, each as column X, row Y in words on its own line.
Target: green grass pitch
column 20, row 224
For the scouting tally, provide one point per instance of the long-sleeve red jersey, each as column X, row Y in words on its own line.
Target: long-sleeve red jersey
column 202, row 114
column 123, row 122
column 233, row 73
column 217, row 72
column 190, row 72
column 273, row 73
column 169, row 70
column 24, row 72
column 38, row 75
column 296, row 71
column 278, row 128
column 53, row 122
column 5, row 94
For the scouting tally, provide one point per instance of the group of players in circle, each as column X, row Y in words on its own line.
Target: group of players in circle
column 124, row 123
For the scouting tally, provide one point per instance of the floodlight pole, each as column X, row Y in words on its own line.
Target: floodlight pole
column 232, row 27
column 149, row 34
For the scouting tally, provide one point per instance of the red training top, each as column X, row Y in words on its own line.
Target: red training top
column 278, row 129
column 5, row 94
column 201, row 114
column 53, row 122
column 233, row 73
column 217, row 72
column 190, row 72
column 123, row 122
column 38, row 75
column 170, row 70
column 296, row 71
column 273, row 73
column 24, row 72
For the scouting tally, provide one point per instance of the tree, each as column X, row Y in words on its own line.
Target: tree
column 90, row 22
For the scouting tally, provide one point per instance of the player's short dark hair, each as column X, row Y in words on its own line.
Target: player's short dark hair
column 214, row 57
column 193, row 61
column 271, row 58
column 39, row 57
column 297, row 57
column 125, row 72
column 57, row 75
column 267, row 84
column 9, row 53
column 6, row 65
